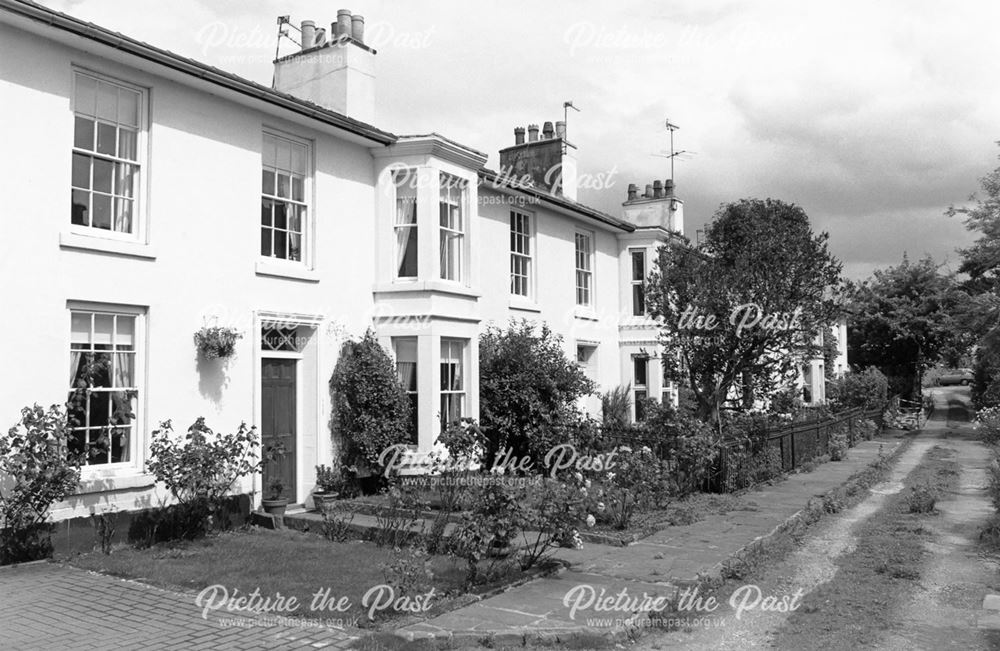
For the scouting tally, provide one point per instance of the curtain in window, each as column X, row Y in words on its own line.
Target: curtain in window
column 406, row 240
column 407, row 375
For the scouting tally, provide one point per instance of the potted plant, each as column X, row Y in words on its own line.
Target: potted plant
column 328, row 485
column 217, row 342
column 274, row 504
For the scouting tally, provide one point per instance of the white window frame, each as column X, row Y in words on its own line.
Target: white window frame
column 454, row 230
column 136, row 444
column 523, row 239
column 584, row 267
column 306, row 254
column 641, row 282
column 140, row 184
column 410, row 175
column 461, row 356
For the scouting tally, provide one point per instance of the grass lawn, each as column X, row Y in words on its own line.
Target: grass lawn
column 285, row 561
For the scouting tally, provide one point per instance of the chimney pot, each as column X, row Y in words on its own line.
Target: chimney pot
column 657, row 190
column 518, row 135
column 358, row 28
column 649, row 191
column 343, row 24
column 633, row 191
column 561, row 130
column 547, row 131
column 668, row 188
column 532, row 132
column 308, row 33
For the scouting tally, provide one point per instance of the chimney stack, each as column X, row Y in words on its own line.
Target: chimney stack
column 308, row 33
column 656, row 208
column 335, row 71
column 532, row 133
column 518, row 135
column 549, row 161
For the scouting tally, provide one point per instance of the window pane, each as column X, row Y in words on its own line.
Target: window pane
column 280, row 215
column 124, row 179
column 80, row 328
column 639, row 376
column 283, row 186
column 124, row 331
column 265, row 211
column 107, row 101
column 102, row 211
column 298, row 165
column 86, row 95
column 638, row 265
column 298, row 189
column 294, row 247
column 81, row 171
column 102, row 175
column 295, row 214
column 128, row 107
column 123, row 215
column 269, row 153
column 638, row 300
column 127, row 144
column 284, row 152
column 265, row 242
column 83, row 133
column 406, row 251
column 80, row 207
column 280, row 244
column 268, row 182
column 106, row 135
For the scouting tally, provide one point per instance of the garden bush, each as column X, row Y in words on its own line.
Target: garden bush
column 637, row 482
column 528, row 390
column 987, row 424
column 690, row 445
column 616, row 407
column 36, row 471
column 867, row 389
column 838, row 444
column 371, row 411
column 747, row 468
column 199, row 469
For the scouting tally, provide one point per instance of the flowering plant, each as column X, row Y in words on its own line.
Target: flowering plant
column 216, row 342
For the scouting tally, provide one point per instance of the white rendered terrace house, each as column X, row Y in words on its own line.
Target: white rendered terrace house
column 199, row 198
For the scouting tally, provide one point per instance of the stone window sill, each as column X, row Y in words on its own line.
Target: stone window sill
column 139, row 250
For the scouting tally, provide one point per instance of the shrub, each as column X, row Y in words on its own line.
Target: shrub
column 336, row 525
column 748, row 467
column 498, row 515
column 371, row 412
column 528, row 389
column 867, row 389
column 638, row 481
column 409, row 572
column 199, row 470
column 396, row 524
column 688, row 443
column 921, row 499
column 37, row 470
column 556, row 509
column 995, row 483
column 837, row 445
column 105, row 524
column 616, row 406
column 987, row 423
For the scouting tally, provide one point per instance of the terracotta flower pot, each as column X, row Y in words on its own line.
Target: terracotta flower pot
column 275, row 507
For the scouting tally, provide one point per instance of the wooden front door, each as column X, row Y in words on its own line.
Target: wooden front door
column 278, row 417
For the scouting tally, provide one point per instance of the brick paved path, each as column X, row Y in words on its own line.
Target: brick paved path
column 51, row 606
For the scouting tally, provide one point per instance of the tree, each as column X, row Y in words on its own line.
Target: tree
column 370, row 408
column 528, row 389
column 903, row 320
column 762, row 284
column 981, row 318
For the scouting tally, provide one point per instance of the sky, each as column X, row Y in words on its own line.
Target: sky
column 873, row 117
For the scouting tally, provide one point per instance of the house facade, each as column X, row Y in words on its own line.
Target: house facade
column 200, row 199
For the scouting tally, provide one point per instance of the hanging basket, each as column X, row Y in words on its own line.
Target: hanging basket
column 217, row 342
